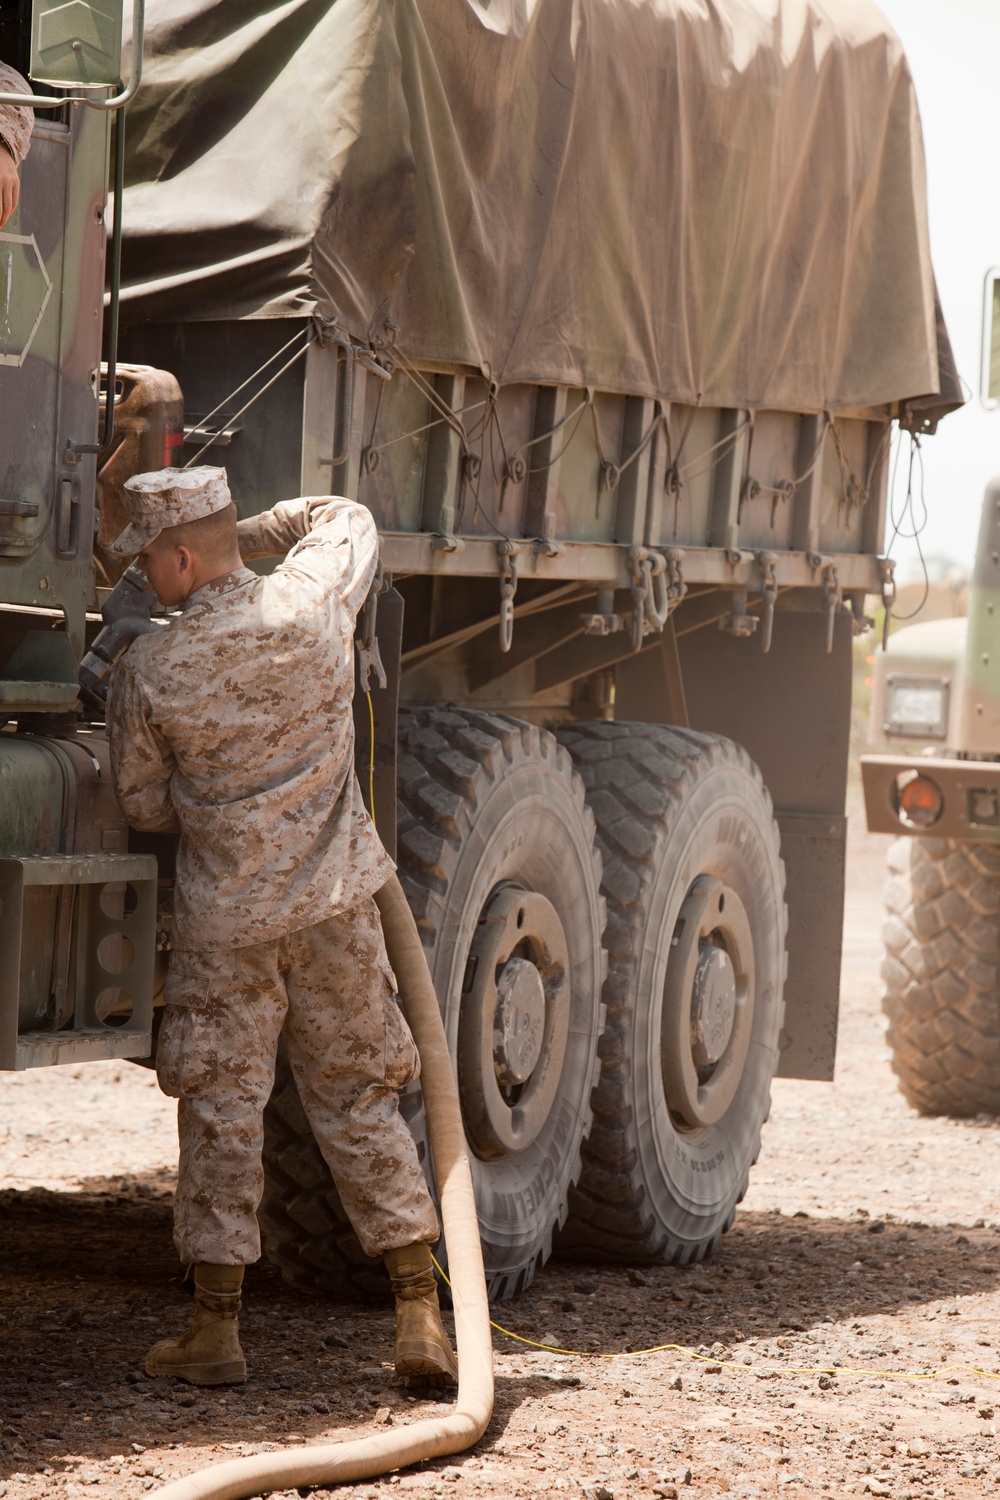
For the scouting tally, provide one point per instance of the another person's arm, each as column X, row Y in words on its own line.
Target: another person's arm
column 15, row 140
column 327, row 538
column 142, row 763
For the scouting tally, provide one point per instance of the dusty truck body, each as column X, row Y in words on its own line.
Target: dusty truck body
column 606, row 313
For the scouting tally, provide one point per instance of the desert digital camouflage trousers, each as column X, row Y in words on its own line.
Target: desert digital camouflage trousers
column 328, row 990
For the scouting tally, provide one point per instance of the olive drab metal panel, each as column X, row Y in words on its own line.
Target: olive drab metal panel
column 76, row 43
column 989, row 379
column 791, row 709
column 979, row 690
column 937, row 686
column 27, row 289
column 51, row 291
column 77, row 914
column 76, row 934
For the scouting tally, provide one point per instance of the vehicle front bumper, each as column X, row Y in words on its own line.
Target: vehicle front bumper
column 970, row 790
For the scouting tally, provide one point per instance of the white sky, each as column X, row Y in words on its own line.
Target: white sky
column 953, row 48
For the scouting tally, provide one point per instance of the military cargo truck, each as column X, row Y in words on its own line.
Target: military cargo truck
column 607, row 315
column 936, row 718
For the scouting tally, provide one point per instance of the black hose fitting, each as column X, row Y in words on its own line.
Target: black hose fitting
column 126, row 614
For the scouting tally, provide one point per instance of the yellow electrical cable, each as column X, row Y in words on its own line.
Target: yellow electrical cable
column 371, row 760
column 732, row 1364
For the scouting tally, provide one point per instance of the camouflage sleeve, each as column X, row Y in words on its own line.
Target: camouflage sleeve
column 327, row 539
column 15, row 124
column 275, row 532
column 142, row 763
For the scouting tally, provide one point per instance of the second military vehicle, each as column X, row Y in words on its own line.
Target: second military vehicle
column 936, row 712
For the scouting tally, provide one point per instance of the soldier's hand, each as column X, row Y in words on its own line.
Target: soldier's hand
column 10, row 184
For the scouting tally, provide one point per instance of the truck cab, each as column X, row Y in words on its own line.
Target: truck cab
column 77, row 908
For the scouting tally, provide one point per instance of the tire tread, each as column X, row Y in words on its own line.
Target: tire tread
column 492, row 743
column 941, row 975
column 637, row 776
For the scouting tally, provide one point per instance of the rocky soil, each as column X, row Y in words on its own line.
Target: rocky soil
column 846, row 1336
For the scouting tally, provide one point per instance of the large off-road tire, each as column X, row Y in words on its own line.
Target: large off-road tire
column 497, row 857
column 696, row 949
column 941, row 974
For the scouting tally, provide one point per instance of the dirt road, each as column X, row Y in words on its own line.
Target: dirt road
column 870, row 1240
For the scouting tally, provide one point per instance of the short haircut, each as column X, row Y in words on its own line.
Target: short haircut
column 209, row 536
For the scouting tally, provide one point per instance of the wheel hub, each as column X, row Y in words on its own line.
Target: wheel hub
column 514, row 1021
column 518, row 1021
column 708, row 1003
column 713, row 1006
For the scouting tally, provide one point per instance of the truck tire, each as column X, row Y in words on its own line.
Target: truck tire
column 691, row 869
column 941, row 974
column 496, row 852
column 498, row 860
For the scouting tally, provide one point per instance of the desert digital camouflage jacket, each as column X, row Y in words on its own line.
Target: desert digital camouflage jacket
column 234, row 727
column 15, row 124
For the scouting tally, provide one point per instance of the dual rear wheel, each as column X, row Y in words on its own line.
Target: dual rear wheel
column 696, row 966
column 604, row 921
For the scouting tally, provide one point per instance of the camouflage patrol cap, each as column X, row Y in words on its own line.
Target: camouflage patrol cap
column 169, row 497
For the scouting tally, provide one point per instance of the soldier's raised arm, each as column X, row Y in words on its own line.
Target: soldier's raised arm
column 327, row 539
column 15, row 140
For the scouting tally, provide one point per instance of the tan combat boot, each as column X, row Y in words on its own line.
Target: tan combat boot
column 208, row 1351
column 423, row 1354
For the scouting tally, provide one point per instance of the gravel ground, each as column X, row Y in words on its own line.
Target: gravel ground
column 869, row 1241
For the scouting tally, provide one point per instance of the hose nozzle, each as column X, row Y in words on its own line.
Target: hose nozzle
column 126, row 614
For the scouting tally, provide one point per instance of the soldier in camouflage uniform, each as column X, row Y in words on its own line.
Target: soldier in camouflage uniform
column 233, row 727
column 15, row 139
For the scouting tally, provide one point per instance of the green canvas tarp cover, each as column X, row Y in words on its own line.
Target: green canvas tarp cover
column 716, row 201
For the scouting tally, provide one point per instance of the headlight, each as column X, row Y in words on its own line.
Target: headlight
column 919, row 802
column 917, row 707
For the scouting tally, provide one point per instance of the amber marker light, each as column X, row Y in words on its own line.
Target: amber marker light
column 919, row 800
